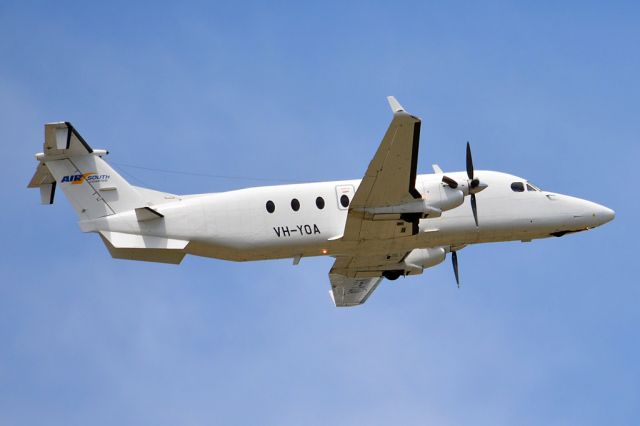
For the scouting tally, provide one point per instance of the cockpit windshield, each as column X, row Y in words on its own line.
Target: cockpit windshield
column 532, row 187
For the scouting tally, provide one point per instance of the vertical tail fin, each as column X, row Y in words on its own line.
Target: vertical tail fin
column 91, row 185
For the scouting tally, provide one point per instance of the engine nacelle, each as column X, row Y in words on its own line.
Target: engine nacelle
column 436, row 198
column 420, row 207
column 415, row 262
column 422, row 258
column 442, row 196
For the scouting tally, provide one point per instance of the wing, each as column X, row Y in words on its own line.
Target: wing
column 346, row 291
column 353, row 278
column 391, row 176
column 389, row 180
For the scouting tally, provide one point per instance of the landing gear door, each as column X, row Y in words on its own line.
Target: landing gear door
column 344, row 195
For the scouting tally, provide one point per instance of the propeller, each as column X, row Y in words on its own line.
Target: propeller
column 454, row 260
column 474, row 208
column 474, row 183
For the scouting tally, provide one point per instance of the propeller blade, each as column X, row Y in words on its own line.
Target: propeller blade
column 452, row 183
column 469, row 162
column 454, row 260
column 474, row 208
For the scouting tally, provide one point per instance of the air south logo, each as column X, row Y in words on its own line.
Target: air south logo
column 90, row 177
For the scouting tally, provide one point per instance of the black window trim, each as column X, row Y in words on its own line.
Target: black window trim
column 270, row 206
column 518, row 187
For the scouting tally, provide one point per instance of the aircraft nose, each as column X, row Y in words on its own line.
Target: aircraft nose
column 599, row 214
column 604, row 214
column 590, row 214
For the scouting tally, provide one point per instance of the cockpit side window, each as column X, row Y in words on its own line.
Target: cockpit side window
column 532, row 187
column 517, row 187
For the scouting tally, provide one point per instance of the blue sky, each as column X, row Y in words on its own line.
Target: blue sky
column 540, row 333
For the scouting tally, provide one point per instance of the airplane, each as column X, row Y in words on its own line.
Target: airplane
column 388, row 224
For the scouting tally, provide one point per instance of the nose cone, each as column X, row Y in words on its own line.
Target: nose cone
column 589, row 214
column 603, row 214
column 596, row 214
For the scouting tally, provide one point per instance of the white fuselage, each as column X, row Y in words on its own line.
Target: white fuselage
column 391, row 223
column 236, row 225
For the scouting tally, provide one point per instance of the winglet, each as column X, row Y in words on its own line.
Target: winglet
column 333, row 299
column 394, row 104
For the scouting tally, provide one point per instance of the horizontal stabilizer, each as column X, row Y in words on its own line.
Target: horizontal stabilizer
column 44, row 180
column 41, row 176
column 62, row 138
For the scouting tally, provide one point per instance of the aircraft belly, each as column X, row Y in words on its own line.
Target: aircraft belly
column 200, row 248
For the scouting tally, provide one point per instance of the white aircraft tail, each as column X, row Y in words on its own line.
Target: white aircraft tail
column 91, row 185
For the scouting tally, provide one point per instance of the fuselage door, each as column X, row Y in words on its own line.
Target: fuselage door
column 344, row 195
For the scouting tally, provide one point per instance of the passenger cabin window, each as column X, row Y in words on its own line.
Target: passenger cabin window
column 344, row 200
column 295, row 204
column 270, row 206
column 517, row 187
column 320, row 203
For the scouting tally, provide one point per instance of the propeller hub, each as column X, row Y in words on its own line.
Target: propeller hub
column 476, row 186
